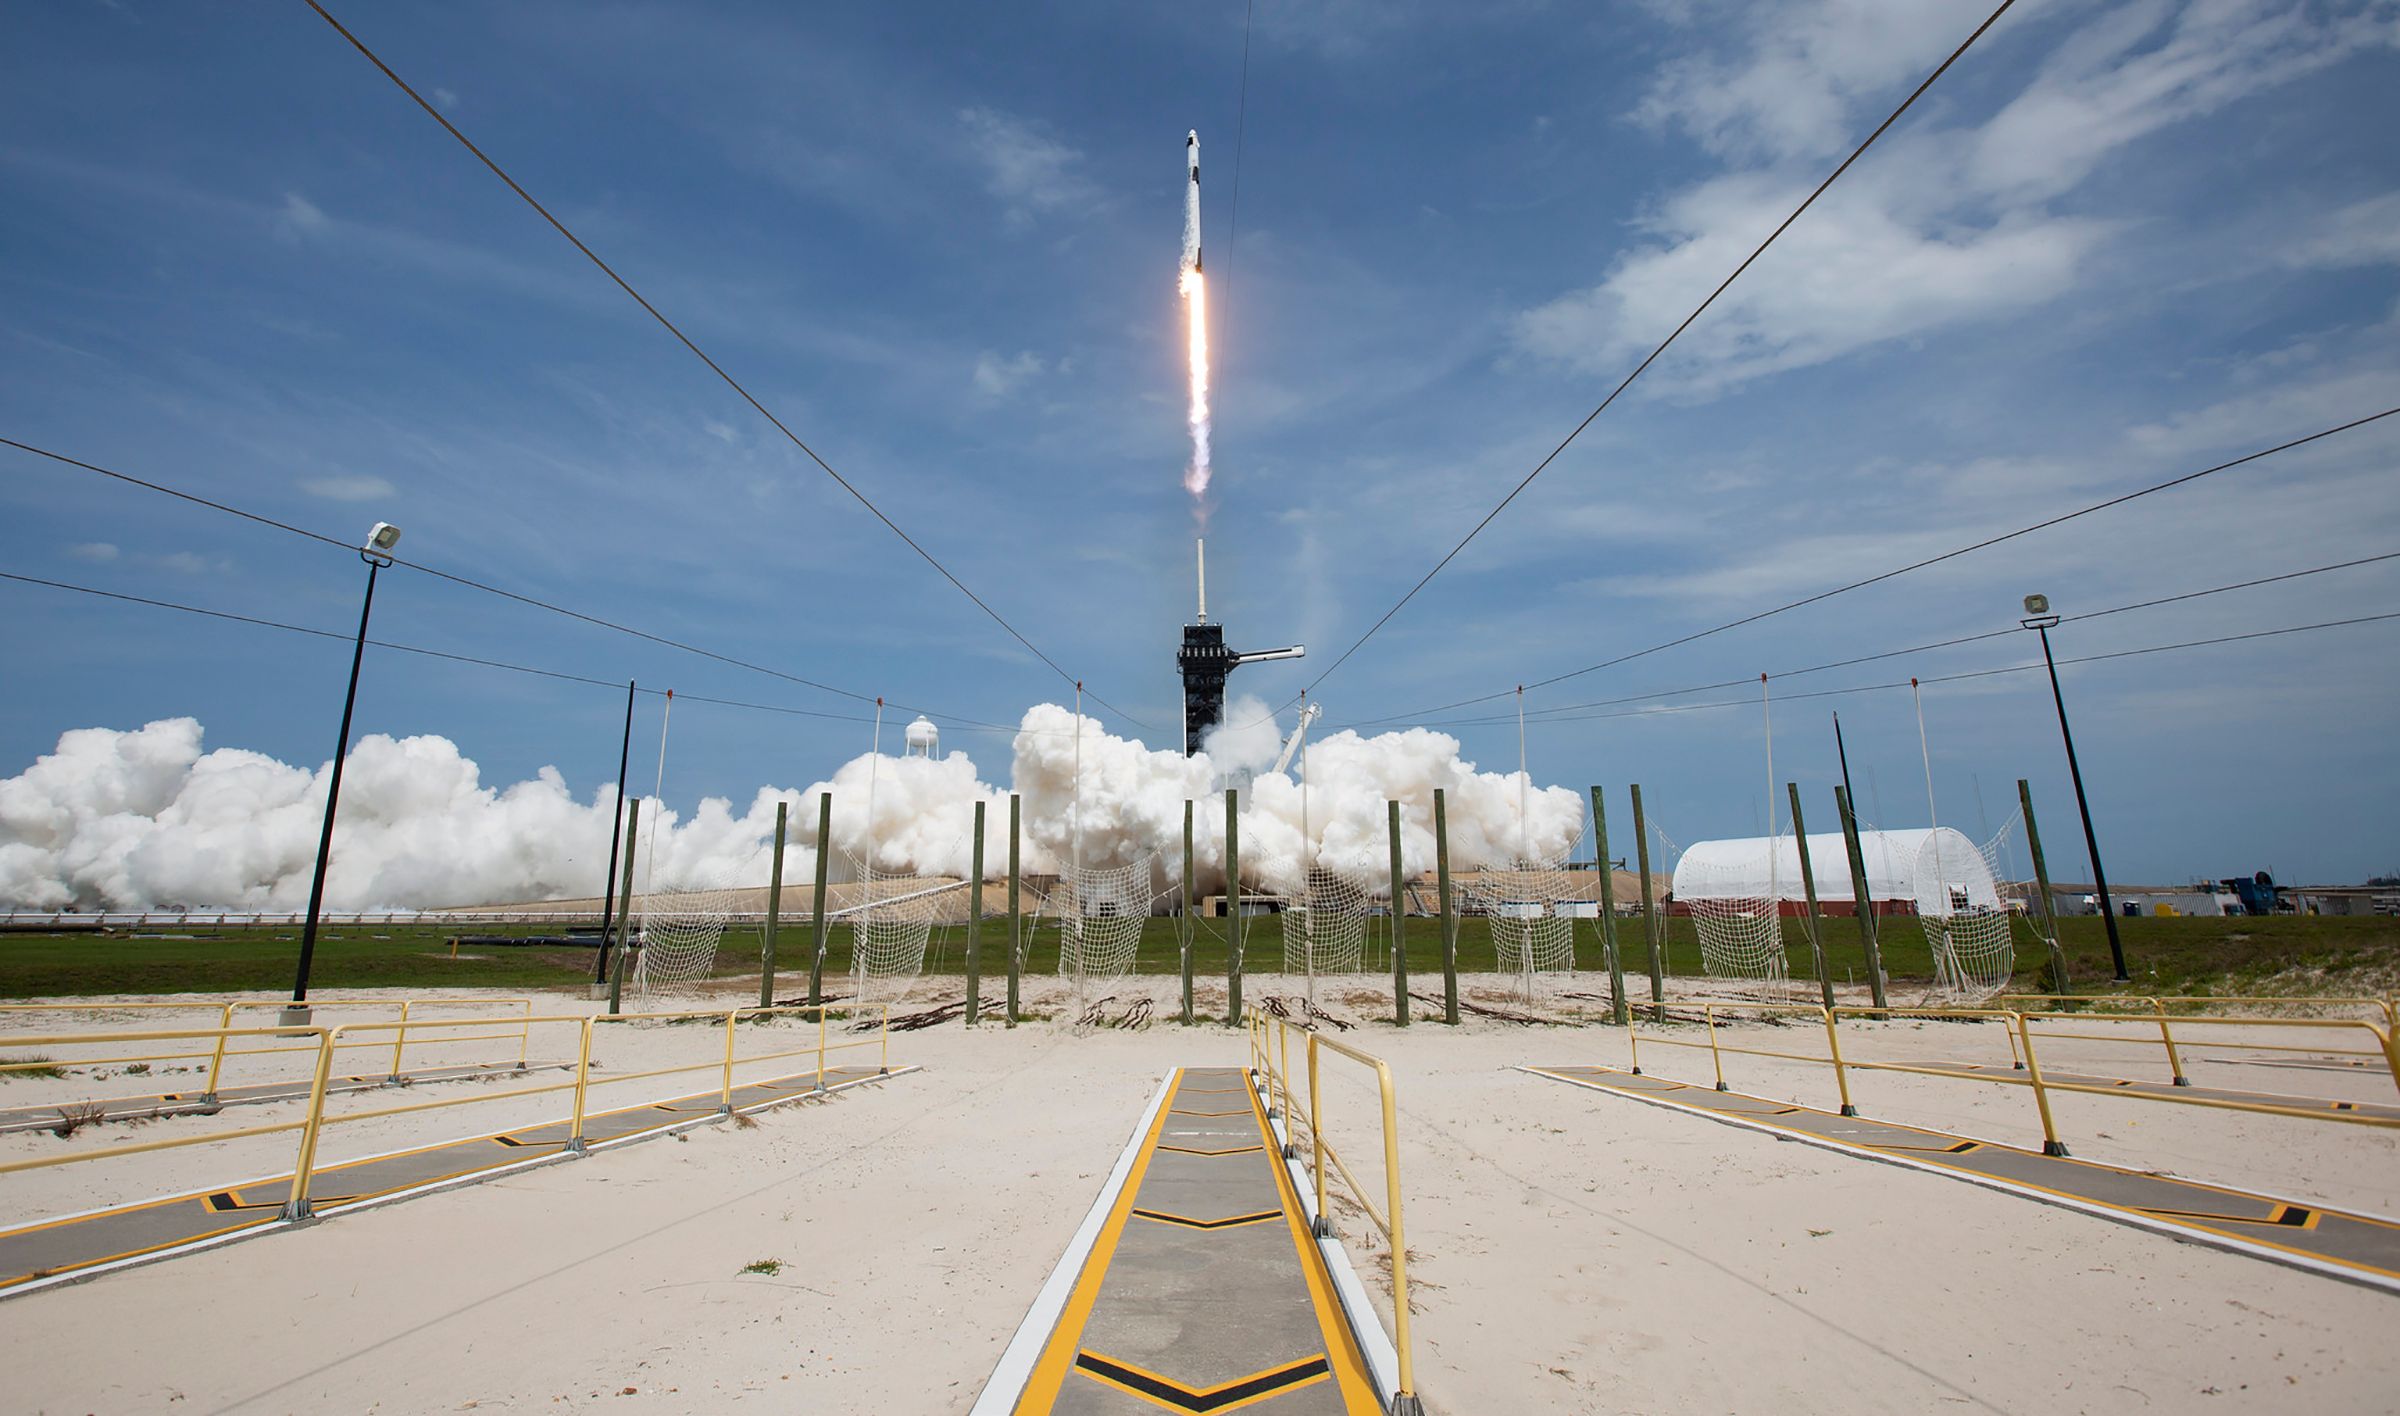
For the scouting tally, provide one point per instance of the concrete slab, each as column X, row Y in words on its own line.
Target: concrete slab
column 1204, row 1291
column 36, row 1255
column 2362, row 1248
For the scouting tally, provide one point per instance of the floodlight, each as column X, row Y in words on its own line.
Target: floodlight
column 2034, row 604
column 386, row 535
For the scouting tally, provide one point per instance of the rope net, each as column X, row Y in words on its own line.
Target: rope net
column 1101, row 913
column 1526, row 901
column 1325, row 925
column 1965, row 916
column 890, row 926
column 1741, row 936
column 682, row 927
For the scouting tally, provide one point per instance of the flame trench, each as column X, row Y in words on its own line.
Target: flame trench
column 1195, row 300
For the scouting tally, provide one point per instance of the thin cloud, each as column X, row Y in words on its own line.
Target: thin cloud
column 1030, row 172
column 997, row 377
column 349, row 487
column 299, row 218
column 1940, row 226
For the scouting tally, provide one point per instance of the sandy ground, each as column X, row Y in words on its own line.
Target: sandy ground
column 1572, row 1252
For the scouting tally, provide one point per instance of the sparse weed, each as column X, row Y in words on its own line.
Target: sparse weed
column 76, row 1115
column 767, row 1267
column 14, row 1067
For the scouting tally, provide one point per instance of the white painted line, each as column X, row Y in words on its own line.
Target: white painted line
column 1366, row 1326
column 1007, row 1384
column 2135, row 1218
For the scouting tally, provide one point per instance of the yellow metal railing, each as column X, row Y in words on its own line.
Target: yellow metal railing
column 324, row 1042
column 1270, row 1036
column 519, row 1028
column 2026, row 1070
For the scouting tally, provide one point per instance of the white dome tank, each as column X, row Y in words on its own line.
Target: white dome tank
column 923, row 738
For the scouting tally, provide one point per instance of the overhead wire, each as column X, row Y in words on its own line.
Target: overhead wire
column 1664, row 344
column 702, row 355
column 1568, row 712
column 1975, row 673
column 951, row 720
column 1911, row 567
column 468, row 582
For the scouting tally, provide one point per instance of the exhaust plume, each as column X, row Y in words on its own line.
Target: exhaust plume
column 1194, row 286
column 148, row 820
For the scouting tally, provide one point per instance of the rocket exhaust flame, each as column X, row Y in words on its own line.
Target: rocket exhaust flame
column 1194, row 286
column 1195, row 299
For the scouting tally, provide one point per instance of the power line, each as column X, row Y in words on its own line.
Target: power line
column 1643, row 367
column 952, row 720
column 1752, row 702
column 1546, row 714
column 1913, row 566
column 455, row 579
column 1569, row 712
column 1241, row 125
column 697, row 352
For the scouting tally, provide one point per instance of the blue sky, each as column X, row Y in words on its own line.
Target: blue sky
column 2116, row 243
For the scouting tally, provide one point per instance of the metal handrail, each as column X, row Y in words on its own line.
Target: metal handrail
column 2022, row 1046
column 1389, row 1220
column 227, row 1008
column 326, row 1041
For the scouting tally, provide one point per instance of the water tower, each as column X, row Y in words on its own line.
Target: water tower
column 923, row 739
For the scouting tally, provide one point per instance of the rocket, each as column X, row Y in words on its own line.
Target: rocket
column 1191, row 204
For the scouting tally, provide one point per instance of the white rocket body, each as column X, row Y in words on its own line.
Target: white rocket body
column 1191, row 204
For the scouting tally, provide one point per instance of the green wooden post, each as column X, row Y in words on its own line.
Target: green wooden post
column 2041, row 879
column 1651, row 925
column 1858, row 891
column 1016, row 921
column 1441, row 869
column 975, row 926
column 1619, row 1011
column 1233, row 902
column 1399, row 921
column 766, row 944
column 616, row 979
column 1188, row 924
column 1808, row 886
column 816, row 965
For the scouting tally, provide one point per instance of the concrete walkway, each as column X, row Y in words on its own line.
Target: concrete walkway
column 2167, row 1091
column 36, row 1255
column 1203, row 1289
column 2362, row 1248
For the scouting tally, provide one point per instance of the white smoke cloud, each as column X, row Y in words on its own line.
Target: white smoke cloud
column 147, row 819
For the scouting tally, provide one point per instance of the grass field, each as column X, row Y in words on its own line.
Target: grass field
column 2163, row 955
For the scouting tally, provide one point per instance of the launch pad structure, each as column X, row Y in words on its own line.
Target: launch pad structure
column 1204, row 662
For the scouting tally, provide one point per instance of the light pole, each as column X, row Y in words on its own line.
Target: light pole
column 2040, row 620
column 377, row 554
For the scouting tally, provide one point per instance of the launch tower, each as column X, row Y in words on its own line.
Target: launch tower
column 1204, row 661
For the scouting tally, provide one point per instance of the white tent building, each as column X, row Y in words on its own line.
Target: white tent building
column 1901, row 865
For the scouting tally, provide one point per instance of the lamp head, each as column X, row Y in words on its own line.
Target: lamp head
column 2037, row 613
column 383, row 537
column 2034, row 604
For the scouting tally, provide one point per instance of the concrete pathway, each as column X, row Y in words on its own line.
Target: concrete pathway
column 2362, row 1248
column 1203, row 1290
column 37, row 1255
